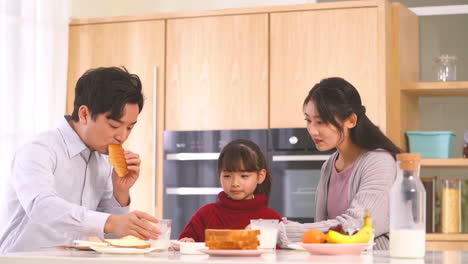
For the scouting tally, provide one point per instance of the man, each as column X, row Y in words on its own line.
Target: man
column 62, row 187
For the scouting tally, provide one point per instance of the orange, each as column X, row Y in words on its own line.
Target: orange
column 313, row 236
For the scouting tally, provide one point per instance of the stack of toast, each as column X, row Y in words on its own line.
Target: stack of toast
column 231, row 238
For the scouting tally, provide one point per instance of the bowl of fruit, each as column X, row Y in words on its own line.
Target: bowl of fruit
column 338, row 242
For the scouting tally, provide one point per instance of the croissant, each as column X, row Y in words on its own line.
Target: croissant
column 117, row 159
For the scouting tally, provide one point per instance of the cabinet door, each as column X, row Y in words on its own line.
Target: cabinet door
column 217, row 73
column 312, row 45
column 139, row 46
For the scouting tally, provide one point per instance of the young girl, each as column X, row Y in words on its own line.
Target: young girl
column 359, row 175
column 246, row 183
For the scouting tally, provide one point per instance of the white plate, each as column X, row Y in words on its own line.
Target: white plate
column 235, row 252
column 117, row 250
column 86, row 243
column 334, row 249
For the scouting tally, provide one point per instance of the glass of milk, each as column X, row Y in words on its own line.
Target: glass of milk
column 268, row 232
column 162, row 243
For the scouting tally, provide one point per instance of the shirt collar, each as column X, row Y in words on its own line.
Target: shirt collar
column 72, row 141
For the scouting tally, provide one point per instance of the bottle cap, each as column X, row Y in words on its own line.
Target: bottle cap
column 408, row 161
column 452, row 180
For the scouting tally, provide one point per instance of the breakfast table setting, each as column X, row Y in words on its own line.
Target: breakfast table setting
column 58, row 255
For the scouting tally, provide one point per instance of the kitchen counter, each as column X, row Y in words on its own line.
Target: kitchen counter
column 280, row 256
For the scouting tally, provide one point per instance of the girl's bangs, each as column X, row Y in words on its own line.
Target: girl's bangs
column 240, row 159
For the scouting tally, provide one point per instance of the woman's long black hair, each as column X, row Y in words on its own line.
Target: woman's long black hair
column 335, row 98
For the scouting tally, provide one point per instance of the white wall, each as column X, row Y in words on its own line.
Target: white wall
column 108, row 8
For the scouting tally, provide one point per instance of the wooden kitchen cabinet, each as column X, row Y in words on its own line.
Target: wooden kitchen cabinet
column 217, row 72
column 348, row 42
column 139, row 46
column 249, row 68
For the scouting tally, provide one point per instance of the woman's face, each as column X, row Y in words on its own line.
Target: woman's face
column 241, row 185
column 325, row 136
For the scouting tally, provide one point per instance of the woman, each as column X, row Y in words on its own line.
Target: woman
column 359, row 175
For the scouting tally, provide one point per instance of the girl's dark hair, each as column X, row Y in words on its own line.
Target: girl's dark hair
column 107, row 89
column 335, row 98
column 245, row 155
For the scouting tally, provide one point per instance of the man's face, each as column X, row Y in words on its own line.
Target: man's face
column 99, row 133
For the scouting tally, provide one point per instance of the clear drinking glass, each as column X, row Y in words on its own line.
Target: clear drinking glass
column 162, row 243
column 451, row 206
column 408, row 209
column 268, row 231
column 446, row 68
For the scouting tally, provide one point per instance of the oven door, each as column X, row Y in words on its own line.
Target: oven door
column 295, row 180
column 190, row 182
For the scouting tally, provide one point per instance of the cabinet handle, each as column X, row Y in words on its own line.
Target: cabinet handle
column 300, row 157
column 193, row 191
column 155, row 133
column 192, row 156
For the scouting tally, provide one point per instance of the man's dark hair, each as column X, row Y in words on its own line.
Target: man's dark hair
column 107, row 89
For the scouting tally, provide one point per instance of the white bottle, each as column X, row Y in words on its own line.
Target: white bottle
column 408, row 210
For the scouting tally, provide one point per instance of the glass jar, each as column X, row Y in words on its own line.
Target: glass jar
column 446, row 68
column 408, row 209
column 451, row 202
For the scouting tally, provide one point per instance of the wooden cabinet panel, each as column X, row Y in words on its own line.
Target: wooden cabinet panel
column 139, row 46
column 217, row 73
column 308, row 46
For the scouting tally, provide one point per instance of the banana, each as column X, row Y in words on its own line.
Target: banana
column 362, row 236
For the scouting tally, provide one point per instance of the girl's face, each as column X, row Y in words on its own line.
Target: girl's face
column 325, row 136
column 241, row 185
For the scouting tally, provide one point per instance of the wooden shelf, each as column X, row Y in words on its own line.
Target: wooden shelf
column 444, row 163
column 462, row 237
column 437, row 88
column 437, row 241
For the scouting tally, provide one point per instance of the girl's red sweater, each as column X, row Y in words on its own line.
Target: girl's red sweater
column 227, row 214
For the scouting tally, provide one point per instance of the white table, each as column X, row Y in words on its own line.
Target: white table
column 280, row 256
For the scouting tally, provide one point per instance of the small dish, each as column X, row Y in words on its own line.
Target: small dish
column 73, row 247
column 296, row 247
column 334, row 249
column 235, row 252
column 192, row 248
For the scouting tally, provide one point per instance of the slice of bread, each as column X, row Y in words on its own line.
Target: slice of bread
column 128, row 243
column 231, row 238
column 117, row 159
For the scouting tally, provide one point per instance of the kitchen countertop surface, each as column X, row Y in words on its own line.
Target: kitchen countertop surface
column 280, row 256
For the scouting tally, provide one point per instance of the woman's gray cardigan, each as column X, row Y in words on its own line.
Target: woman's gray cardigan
column 372, row 177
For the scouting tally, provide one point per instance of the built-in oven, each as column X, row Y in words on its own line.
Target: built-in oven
column 296, row 166
column 190, row 168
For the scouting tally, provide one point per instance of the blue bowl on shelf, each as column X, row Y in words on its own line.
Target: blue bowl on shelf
column 431, row 144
